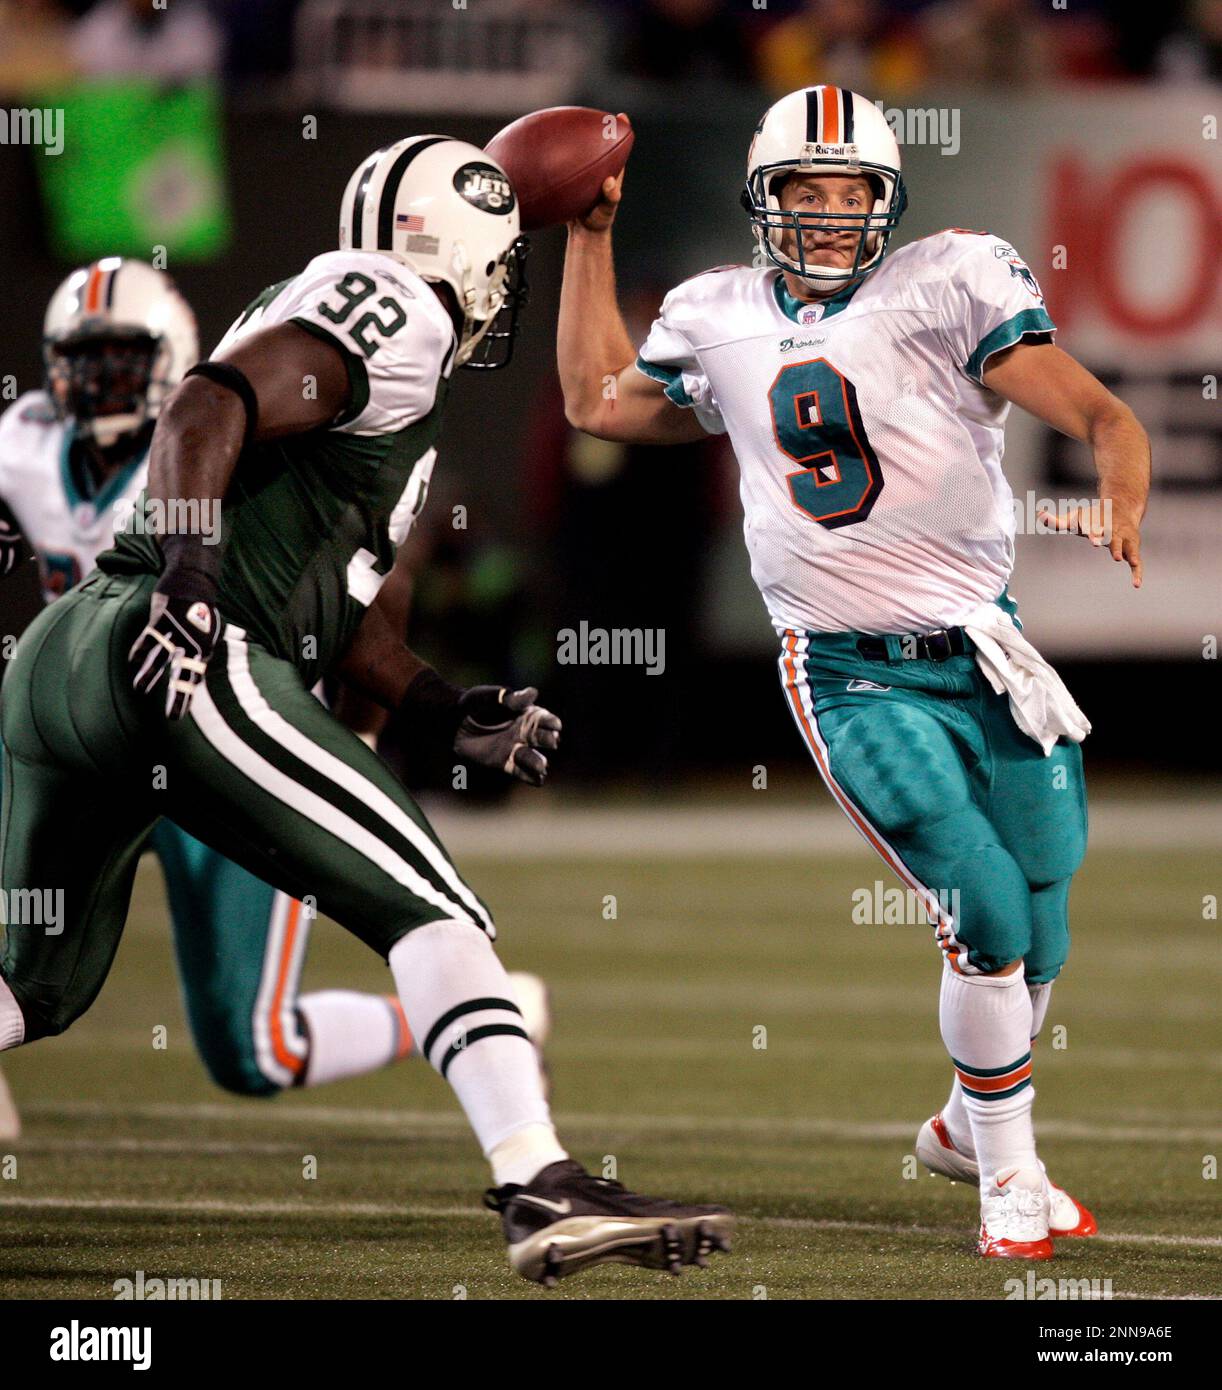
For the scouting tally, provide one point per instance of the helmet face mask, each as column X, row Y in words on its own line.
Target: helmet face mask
column 823, row 131
column 117, row 338
column 491, row 345
column 102, row 383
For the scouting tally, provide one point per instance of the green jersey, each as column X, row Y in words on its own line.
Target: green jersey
column 310, row 523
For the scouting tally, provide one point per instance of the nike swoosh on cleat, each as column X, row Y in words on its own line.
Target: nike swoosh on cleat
column 560, row 1208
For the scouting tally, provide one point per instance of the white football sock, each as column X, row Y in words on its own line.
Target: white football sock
column 453, row 988
column 986, row 1026
column 12, row 1020
column 1040, row 995
column 350, row 1034
column 954, row 1116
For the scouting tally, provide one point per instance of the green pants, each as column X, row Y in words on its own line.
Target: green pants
column 258, row 771
column 240, row 946
column 929, row 765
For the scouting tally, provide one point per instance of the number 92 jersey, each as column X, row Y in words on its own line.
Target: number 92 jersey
column 310, row 522
column 868, row 447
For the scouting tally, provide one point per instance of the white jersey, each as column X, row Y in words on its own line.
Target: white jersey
column 869, row 450
column 66, row 523
column 398, row 360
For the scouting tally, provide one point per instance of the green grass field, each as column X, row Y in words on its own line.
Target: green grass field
column 131, row 1160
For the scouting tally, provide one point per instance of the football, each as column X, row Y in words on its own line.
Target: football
column 558, row 158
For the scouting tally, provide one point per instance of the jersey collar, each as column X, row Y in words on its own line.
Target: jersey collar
column 110, row 490
column 792, row 307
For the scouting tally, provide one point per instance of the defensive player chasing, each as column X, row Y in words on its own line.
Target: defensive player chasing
column 117, row 338
column 866, row 400
column 315, row 423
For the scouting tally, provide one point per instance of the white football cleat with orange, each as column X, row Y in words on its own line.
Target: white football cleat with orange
column 939, row 1155
column 1067, row 1216
column 1014, row 1212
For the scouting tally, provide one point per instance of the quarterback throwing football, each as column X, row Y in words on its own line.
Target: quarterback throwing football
column 866, row 401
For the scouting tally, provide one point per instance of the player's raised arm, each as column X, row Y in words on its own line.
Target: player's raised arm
column 256, row 391
column 1050, row 384
column 604, row 393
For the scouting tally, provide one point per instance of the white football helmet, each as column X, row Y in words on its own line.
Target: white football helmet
column 824, row 130
column 448, row 210
column 117, row 338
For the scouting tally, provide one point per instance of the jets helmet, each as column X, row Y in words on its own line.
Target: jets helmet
column 117, row 339
column 448, row 210
column 823, row 130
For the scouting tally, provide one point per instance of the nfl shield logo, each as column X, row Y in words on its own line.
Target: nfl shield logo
column 811, row 314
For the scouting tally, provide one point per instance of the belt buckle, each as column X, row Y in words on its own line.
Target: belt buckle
column 938, row 645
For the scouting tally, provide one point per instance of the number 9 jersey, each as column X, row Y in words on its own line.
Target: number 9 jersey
column 869, row 449
column 311, row 522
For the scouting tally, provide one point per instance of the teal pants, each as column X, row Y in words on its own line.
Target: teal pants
column 240, row 946
column 929, row 765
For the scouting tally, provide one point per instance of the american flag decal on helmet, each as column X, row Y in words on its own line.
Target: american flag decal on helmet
column 409, row 222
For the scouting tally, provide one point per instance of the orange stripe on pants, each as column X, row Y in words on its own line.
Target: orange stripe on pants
column 287, row 1059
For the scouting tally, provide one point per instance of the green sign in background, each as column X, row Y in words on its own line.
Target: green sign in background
column 142, row 166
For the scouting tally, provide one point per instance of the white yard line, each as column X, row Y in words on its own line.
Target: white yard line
column 226, row 1207
column 651, row 831
column 415, row 1121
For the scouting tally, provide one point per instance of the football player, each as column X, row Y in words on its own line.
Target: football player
column 866, row 400
column 193, row 663
column 117, row 338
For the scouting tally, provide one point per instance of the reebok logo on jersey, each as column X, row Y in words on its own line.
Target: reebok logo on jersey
column 792, row 344
column 865, row 685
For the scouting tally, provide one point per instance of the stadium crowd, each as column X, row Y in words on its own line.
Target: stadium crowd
column 892, row 45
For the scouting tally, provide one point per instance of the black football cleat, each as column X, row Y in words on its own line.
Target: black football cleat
column 567, row 1219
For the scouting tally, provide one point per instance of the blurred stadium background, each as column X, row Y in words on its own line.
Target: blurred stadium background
column 224, row 130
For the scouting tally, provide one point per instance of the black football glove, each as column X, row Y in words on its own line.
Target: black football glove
column 180, row 637
column 505, row 729
column 10, row 543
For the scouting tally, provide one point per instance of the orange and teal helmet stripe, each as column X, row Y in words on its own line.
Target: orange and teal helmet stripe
column 829, row 115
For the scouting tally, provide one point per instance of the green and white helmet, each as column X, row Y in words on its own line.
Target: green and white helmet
column 448, row 210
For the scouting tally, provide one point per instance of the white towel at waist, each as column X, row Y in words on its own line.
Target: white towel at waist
column 1042, row 706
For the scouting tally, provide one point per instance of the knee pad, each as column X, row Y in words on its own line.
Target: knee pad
column 44, row 1017
column 898, row 764
column 236, row 1074
column 994, row 923
column 1049, row 932
column 227, row 1050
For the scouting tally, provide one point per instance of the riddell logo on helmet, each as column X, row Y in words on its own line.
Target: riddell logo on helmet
column 813, row 149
